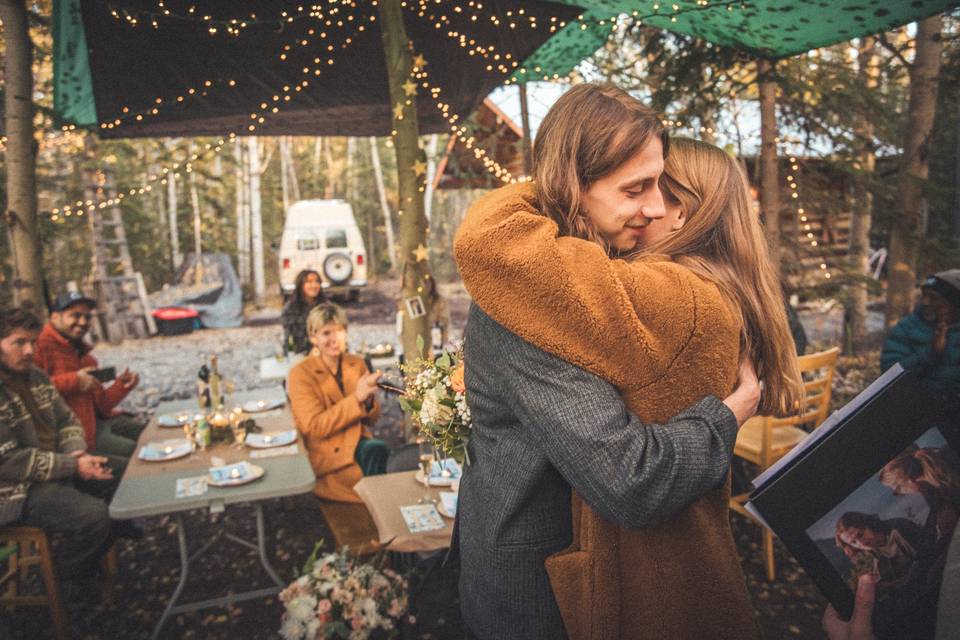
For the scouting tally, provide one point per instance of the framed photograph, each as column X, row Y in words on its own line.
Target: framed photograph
column 415, row 307
column 879, row 493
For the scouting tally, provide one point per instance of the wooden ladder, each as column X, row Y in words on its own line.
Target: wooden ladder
column 123, row 310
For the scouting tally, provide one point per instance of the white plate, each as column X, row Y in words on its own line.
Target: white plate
column 276, row 439
column 257, row 406
column 178, row 449
column 172, row 420
column 434, row 480
column 442, row 506
column 443, row 511
column 256, row 473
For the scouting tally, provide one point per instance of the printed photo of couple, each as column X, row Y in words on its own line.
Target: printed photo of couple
column 897, row 525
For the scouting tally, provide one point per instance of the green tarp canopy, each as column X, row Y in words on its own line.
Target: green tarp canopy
column 141, row 55
column 766, row 28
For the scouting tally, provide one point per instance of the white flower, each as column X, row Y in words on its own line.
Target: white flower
column 312, row 628
column 302, row 608
column 292, row 629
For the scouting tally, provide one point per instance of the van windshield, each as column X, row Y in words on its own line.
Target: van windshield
column 336, row 239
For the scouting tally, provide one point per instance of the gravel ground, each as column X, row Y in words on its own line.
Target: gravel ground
column 789, row 607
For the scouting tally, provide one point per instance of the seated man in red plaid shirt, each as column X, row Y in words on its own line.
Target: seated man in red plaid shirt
column 62, row 354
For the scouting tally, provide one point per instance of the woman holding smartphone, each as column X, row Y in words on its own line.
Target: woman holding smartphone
column 333, row 399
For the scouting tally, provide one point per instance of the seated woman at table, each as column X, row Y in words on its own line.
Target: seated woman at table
column 332, row 398
column 307, row 294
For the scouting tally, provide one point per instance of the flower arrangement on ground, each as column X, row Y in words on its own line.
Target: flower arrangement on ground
column 339, row 597
column 436, row 400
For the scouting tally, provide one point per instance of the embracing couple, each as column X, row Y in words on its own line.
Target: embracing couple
column 617, row 298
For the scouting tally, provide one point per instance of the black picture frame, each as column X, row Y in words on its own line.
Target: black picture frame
column 856, row 448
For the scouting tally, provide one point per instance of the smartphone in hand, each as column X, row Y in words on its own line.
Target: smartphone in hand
column 105, row 374
column 391, row 384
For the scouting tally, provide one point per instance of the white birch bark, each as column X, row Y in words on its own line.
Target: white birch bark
column 256, row 220
column 384, row 205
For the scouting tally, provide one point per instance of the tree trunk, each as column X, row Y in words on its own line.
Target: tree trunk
column 20, row 158
column 292, row 169
column 256, row 220
column 284, row 175
column 241, row 194
column 411, row 171
column 431, row 174
column 869, row 70
column 384, row 205
column 910, row 219
column 769, row 178
column 176, row 258
column 330, row 188
column 350, row 179
column 195, row 205
column 526, row 142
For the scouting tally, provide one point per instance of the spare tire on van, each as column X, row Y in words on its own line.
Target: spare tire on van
column 322, row 235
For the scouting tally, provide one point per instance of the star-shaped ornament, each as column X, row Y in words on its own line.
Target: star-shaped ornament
column 421, row 253
column 398, row 111
column 409, row 88
column 419, row 167
column 419, row 61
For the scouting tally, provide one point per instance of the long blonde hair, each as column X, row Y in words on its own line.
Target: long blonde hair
column 588, row 133
column 925, row 465
column 722, row 241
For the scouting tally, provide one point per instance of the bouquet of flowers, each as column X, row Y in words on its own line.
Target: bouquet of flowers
column 340, row 597
column 436, row 400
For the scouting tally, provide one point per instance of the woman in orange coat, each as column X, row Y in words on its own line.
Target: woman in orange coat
column 333, row 400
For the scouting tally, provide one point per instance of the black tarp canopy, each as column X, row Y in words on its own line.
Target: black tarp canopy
column 128, row 54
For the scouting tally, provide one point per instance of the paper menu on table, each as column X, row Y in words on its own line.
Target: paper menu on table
column 190, row 487
column 422, row 517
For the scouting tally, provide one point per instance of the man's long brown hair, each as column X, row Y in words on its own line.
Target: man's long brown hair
column 722, row 241
column 589, row 132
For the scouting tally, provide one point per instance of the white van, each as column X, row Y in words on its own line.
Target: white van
column 323, row 235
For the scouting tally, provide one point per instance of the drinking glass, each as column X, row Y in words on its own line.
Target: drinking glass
column 238, row 426
column 425, row 461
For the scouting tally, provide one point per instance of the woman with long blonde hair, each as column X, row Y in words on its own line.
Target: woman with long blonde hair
column 665, row 324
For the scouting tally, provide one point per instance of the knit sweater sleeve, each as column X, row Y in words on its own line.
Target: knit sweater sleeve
column 567, row 297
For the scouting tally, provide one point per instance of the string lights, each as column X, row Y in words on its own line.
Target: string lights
column 257, row 116
column 805, row 226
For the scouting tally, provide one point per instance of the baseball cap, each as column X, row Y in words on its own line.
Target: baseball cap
column 69, row 298
column 947, row 284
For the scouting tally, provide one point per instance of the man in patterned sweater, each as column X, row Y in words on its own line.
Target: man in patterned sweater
column 47, row 479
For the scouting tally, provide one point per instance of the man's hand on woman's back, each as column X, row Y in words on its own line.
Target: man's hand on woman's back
column 745, row 398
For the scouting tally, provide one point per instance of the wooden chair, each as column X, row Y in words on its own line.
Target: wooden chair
column 33, row 549
column 763, row 440
column 351, row 526
column 29, row 546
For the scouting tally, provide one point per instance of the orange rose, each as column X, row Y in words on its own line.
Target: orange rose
column 456, row 379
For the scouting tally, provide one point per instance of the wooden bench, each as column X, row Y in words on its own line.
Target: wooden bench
column 351, row 526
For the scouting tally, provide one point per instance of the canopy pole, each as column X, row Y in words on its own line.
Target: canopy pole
column 411, row 176
column 769, row 175
column 21, row 159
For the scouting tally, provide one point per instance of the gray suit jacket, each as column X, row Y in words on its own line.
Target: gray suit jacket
column 541, row 426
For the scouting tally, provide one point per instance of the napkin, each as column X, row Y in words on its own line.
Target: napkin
column 436, row 471
column 157, row 450
column 277, row 438
column 226, row 473
column 254, row 406
column 449, row 501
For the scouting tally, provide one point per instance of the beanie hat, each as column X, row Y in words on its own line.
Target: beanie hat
column 947, row 284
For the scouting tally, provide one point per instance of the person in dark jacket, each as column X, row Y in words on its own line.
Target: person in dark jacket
column 928, row 340
column 307, row 294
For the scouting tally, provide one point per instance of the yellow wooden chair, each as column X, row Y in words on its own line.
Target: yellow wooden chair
column 763, row 440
